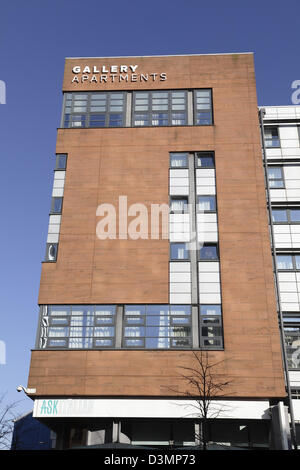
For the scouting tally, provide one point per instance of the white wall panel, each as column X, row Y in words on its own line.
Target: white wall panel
column 288, row 287
column 52, row 238
column 209, row 237
column 291, row 172
column 288, row 132
column 180, row 288
column 180, row 298
column 273, row 153
column 58, row 192
column 291, row 152
column 205, row 190
column 54, row 228
column 179, row 237
column 210, row 298
column 289, row 297
column 282, row 238
column 179, row 191
column 59, row 175
column 209, row 288
column 292, row 143
column 290, row 307
column 180, row 267
column 54, row 219
column 293, row 194
column 180, row 173
column 205, row 181
column 205, row 173
column 178, row 182
column 209, row 277
column 59, row 183
column 180, row 277
column 206, row 266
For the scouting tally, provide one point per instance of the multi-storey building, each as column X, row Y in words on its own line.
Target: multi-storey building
column 281, row 147
column 158, row 247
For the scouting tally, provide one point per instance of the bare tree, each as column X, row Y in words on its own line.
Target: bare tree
column 204, row 386
column 7, row 416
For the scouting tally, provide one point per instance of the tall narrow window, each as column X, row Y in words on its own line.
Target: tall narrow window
column 271, row 137
column 202, row 107
column 179, row 251
column 206, row 203
column 209, row 252
column 56, row 205
column 205, row 160
column 61, row 161
column 51, row 252
column 275, row 176
column 179, row 205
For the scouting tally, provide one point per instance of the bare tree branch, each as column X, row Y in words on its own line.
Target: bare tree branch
column 204, row 385
column 7, row 415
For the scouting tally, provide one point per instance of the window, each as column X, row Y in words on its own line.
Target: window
column 51, row 252
column 78, row 326
column 56, row 205
column 211, row 335
column 206, row 203
column 202, row 107
column 288, row 216
column 160, row 108
column 100, row 109
column 292, row 339
column 157, row 326
column 205, row 160
column 179, row 205
column 271, row 137
column 279, row 215
column 147, row 108
column 179, row 160
column 288, row 262
column 61, row 161
column 275, row 176
column 208, row 252
column 179, row 251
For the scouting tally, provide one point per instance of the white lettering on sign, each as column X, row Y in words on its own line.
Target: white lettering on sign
column 113, row 74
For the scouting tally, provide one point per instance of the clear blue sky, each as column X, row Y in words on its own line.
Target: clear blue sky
column 35, row 37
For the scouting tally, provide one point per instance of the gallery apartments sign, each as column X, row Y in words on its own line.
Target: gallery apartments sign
column 113, row 74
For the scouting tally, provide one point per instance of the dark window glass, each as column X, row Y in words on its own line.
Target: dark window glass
column 208, row 252
column 56, row 205
column 179, row 251
column 51, row 252
column 164, row 326
column 279, row 215
column 206, row 204
column 271, row 137
column 160, row 108
column 179, row 205
column 61, row 161
column 275, row 176
column 205, row 160
column 284, row 262
column 295, row 215
column 203, row 107
column 98, row 109
column 178, row 160
column 210, row 309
